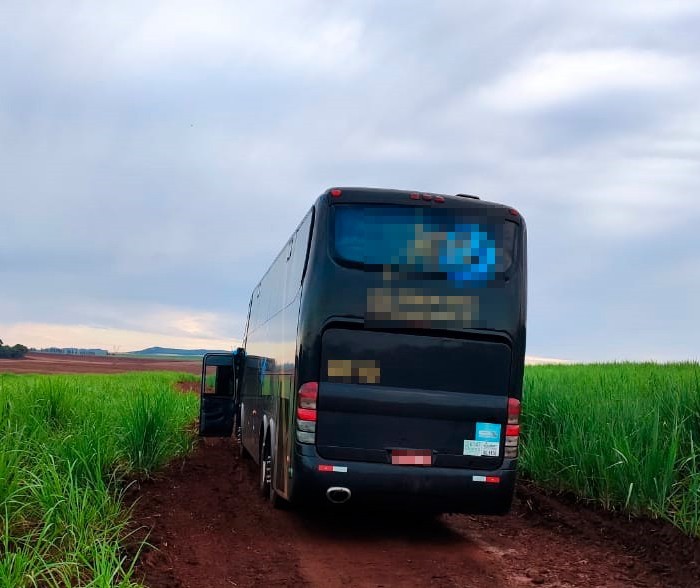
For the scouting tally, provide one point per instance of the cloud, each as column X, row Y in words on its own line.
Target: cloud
column 116, row 324
column 42, row 335
column 155, row 157
column 555, row 78
column 219, row 34
column 654, row 11
column 132, row 41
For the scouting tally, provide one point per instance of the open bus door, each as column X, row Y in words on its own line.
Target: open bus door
column 219, row 398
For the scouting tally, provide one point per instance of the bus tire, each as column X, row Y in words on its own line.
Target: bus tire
column 276, row 500
column 243, row 453
column 265, row 470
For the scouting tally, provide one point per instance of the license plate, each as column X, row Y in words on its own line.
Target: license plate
column 420, row 457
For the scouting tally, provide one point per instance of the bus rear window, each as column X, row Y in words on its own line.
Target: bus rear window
column 448, row 244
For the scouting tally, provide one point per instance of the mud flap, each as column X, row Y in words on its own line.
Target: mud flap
column 218, row 402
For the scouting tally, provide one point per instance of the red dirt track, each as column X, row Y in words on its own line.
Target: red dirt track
column 53, row 363
column 210, row 528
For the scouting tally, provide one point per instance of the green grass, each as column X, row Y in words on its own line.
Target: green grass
column 624, row 435
column 68, row 446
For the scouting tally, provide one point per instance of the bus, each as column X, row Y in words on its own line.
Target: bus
column 383, row 356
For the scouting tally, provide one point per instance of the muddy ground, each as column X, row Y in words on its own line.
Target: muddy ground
column 52, row 363
column 210, row 528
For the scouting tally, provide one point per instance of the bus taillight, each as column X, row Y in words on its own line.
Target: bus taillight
column 306, row 412
column 512, row 428
column 513, row 411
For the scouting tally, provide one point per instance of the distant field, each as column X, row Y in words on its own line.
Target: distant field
column 68, row 445
column 626, row 436
column 52, row 363
column 160, row 356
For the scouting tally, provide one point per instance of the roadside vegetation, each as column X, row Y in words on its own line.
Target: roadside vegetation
column 68, row 447
column 12, row 351
column 626, row 436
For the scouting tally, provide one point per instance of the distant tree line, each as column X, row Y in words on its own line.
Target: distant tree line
column 13, row 351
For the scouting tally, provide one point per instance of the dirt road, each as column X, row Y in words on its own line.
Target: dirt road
column 212, row 530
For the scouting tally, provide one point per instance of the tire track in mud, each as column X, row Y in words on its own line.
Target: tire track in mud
column 210, row 528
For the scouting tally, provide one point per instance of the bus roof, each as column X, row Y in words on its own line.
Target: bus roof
column 347, row 194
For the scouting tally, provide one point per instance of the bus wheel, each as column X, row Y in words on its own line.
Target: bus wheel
column 242, row 451
column 275, row 499
column 265, row 471
column 278, row 502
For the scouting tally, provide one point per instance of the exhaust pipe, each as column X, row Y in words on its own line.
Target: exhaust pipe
column 338, row 494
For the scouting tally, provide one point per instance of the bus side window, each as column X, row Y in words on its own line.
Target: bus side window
column 255, row 319
column 298, row 258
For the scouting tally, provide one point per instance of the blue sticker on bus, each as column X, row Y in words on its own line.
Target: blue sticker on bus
column 488, row 432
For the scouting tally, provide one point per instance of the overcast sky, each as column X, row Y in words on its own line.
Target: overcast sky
column 155, row 156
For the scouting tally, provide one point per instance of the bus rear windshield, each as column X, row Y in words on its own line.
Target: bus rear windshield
column 450, row 244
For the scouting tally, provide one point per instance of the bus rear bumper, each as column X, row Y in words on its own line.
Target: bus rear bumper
column 414, row 487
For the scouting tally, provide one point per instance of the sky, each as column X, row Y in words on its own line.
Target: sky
column 155, row 156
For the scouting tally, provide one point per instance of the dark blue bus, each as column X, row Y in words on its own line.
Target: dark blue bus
column 383, row 355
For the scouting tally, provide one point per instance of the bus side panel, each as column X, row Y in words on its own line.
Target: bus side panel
column 267, row 356
column 271, row 349
column 286, row 407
